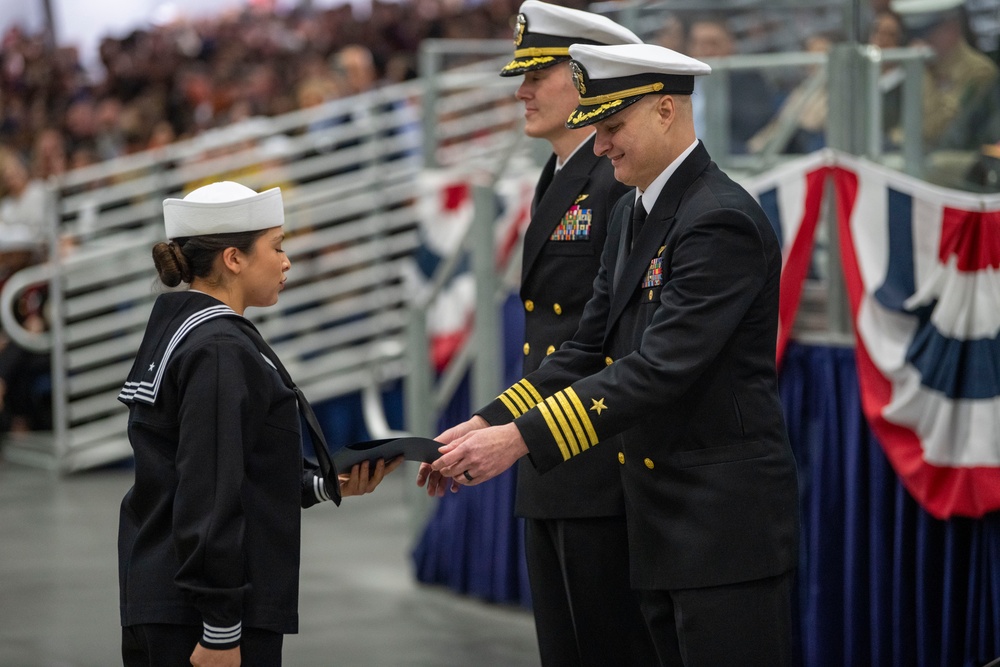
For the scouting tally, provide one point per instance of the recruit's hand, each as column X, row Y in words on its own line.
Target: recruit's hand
column 481, row 455
column 434, row 480
column 359, row 482
column 208, row 657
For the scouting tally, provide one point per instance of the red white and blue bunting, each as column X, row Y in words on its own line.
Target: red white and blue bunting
column 920, row 265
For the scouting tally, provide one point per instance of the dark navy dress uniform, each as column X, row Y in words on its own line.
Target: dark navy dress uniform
column 586, row 615
column 689, row 406
column 209, row 534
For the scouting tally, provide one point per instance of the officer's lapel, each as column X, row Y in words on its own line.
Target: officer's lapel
column 544, row 181
column 623, row 251
column 654, row 231
column 566, row 186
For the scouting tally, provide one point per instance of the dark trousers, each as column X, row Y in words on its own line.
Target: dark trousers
column 585, row 611
column 163, row 645
column 740, row 625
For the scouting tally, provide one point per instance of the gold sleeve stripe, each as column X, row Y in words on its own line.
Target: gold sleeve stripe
column 510, row 405
column 554, row 428
column 530, row 388
column 520, row 394
column 515, row 397
column 554, row 406
column 581, row 437
column 584, row 416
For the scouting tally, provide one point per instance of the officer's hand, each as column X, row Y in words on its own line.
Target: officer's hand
column 472, row 424
column 481, row 455
column 435, row 481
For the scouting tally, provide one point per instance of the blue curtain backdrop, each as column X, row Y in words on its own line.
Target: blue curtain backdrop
column 881, row 582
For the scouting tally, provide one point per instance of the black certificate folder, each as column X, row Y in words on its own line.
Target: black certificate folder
column 412, row 448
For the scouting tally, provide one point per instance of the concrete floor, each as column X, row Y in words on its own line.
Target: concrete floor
column 359, row 605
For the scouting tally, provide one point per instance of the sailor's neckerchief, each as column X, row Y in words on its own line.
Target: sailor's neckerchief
column 174, row 316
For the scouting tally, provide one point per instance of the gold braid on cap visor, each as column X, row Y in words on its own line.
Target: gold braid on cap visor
column 621, row 94
column 517, row 64
column 581, row 116
column 538, row 55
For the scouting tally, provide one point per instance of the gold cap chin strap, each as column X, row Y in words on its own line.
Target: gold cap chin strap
column 535, row 51
column 621, row 94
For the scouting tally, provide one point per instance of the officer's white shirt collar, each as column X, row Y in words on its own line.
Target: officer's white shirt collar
column 562, row 163
column 652, row 193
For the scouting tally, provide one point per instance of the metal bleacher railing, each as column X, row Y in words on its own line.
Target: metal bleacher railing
column 353, row 172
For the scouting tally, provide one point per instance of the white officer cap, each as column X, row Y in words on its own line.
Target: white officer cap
column 610, row 78
column 223, row 208
column 544, row 33
column 920, row 15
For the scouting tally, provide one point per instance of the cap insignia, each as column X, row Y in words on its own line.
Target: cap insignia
column 577, row 72
column 519, row 27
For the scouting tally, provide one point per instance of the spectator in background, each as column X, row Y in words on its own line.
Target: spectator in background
column 356, row 67
column 48, row 158
column 22, row 208
column 957, row 78
column 80, row 123
column 23, row 405
column 800, row 124
column 109, row 141
column 751, row 97
column 25, row 381
column 672, row 34
column 887, row 32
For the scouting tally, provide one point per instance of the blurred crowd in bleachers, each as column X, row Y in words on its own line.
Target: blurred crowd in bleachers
column 178, row 80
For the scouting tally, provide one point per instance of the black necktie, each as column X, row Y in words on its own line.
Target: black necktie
column 638, row 217
column 330, row 477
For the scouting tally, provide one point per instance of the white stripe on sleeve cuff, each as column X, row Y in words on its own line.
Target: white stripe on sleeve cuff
column 319, row 488
column 215, row 635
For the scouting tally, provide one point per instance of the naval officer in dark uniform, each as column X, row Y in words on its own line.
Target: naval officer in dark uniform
column 575, row 537
column 574, row 516
column 686, row 306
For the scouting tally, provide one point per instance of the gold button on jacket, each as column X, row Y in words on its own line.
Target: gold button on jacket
column 551, row 349
column 527, row 349
column 556, row 307
column 621, row 458
column 649, row 463
column 529, row 305
column 608, row 361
